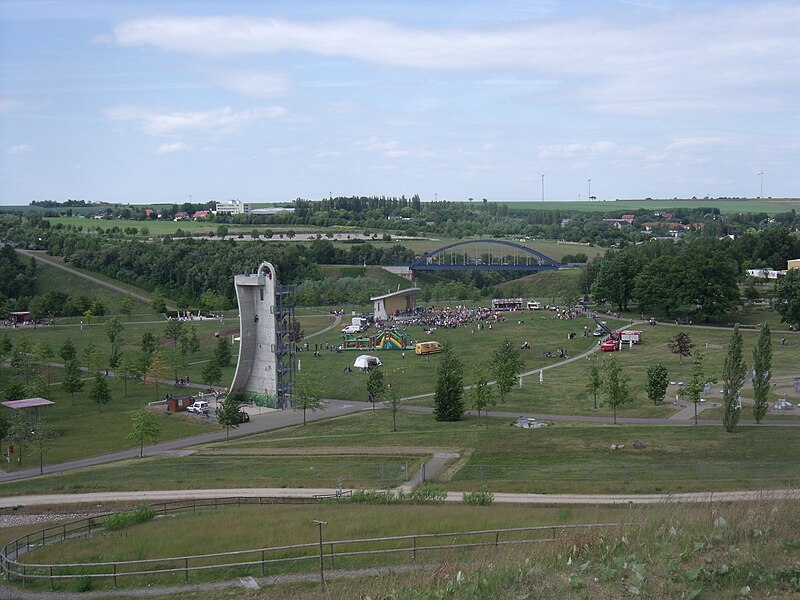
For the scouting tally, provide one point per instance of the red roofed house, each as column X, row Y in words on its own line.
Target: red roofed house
column 181, row 216
column 200, row 214
column 628, row 218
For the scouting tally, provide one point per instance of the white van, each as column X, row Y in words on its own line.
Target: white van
column 534, row 305
column 351, row 329
column 198, row 407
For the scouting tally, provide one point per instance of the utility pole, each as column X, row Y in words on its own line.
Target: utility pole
column 321, row 555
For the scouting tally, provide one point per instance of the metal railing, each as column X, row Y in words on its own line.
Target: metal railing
column 277, row 558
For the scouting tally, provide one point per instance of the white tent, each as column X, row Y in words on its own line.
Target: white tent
column 365, row 361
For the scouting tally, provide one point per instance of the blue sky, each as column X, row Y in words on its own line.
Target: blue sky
column 138, row 101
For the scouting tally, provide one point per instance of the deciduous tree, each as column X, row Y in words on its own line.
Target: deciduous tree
column 615, row 385
column 100, row 393
column 480, row 396
column 787, row 298
column 507, row 364
column 762, row 365
column 693, row 390
column 222, row 353
column 228, row 414
column 448, row 395
column 656, row 383
column 733, row 373
column 72, row 381
column 594, row 383
column 143, row 427
column 681, row 345
column 306, row 396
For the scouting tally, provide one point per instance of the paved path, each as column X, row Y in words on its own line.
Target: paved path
column 258, row 424
column 156, row 496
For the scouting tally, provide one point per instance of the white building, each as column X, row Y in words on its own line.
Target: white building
column 233, row 207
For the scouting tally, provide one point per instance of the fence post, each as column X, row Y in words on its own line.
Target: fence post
column 423, row 471
column 186, row 570
column 761, row 469
column 481, row 472
column 497, row 539
column 331, row 546
column 115, row 575
column 51, row 577
column 406, row 479
column 414, row 550
column 262, row 563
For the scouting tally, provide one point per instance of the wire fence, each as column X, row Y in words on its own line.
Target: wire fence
column 305, row 558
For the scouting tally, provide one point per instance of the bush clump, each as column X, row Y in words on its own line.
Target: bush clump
column 481, row 497
column 429, row 494
column 122, row 520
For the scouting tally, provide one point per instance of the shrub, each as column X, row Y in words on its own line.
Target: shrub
column 481, row 497
column 122, row 520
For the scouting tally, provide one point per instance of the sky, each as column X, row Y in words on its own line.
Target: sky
column 136, row 101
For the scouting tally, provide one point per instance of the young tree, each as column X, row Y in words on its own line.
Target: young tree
column 128, row 370
column 376, row 384
column 157, row 302
column 228, row 414
column 19, row 432
column 448, row 396
column 143, row 427
column 43, row 354
column 155, row 373
column 392, row 401
column 480, row 396
column 192, row 343
column 306, row 396
column 72, row 381
column 615, row 385
column 211, row 373
column 733, row 372
column 149, row 343
column 5, row 430
column 681, row 345
column 87, row 315
column 113, row 328
column 90, row 354
column 507, row 364
column 656, row 383
column 68, row 351
column 127, row 305
column 100, row 392
column 697, row 382
column 22, row 361
column 222, row 353
column 594, row 384
column 762, row 364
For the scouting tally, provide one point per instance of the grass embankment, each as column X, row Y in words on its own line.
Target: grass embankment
column 361, row 451
column 713, row 550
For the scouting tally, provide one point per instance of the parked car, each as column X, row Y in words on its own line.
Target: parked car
column 198, row 407
column 244, row 417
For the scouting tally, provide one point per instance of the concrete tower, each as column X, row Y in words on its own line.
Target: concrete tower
column 266, row 325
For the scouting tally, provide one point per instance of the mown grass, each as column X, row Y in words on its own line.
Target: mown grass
column 198, row 472
column 709, row 550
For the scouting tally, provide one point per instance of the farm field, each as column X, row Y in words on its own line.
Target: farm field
column 770, row 206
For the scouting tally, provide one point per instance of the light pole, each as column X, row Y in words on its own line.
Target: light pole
column 321, row 556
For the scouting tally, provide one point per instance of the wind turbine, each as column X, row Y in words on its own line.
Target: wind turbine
column 542, row 187
column 761, row 174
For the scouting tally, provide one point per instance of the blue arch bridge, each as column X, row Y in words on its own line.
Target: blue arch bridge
column 484, row 255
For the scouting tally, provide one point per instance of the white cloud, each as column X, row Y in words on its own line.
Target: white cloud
column 704, row 58
column 374, row 144
column 20, row 149
column 328, row 154
column 217, row 121
column 173, row 147
column 254, row 84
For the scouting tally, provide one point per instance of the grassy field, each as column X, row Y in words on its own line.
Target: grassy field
column 714, row 550
column 83, row 429
column 563, row 389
